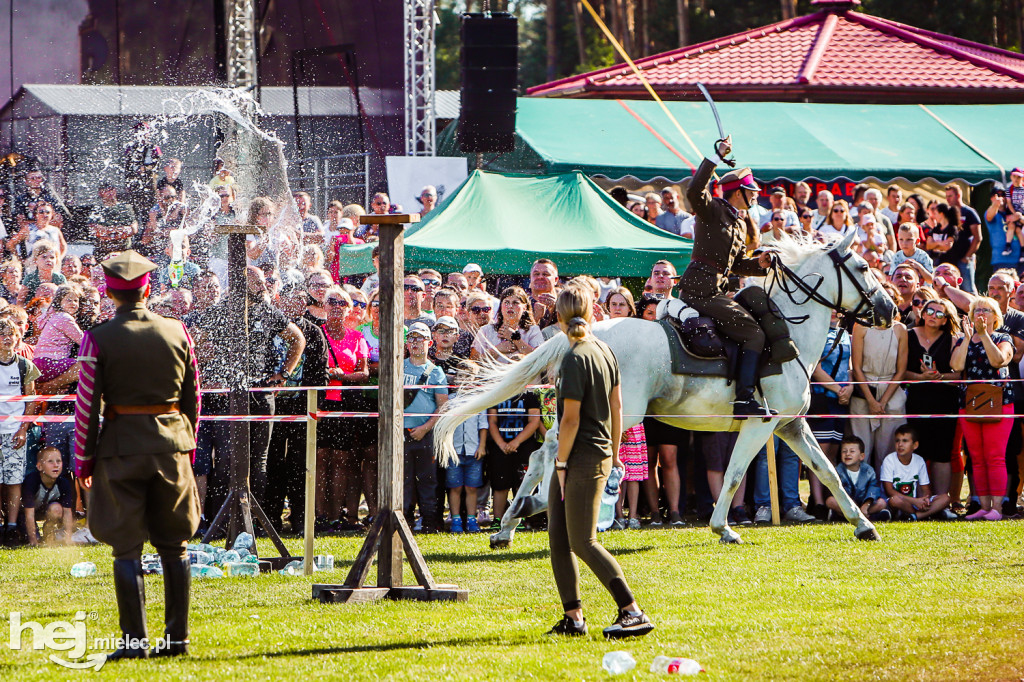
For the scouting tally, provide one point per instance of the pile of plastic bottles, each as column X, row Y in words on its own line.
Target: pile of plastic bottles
column 208, row 561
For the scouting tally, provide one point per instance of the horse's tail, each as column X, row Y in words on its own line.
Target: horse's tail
column 495, row 383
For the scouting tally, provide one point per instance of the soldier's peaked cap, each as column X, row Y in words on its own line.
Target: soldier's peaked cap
column 127, row 270
column 736, row 179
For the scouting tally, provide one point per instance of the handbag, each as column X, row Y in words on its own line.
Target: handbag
column 983, row 403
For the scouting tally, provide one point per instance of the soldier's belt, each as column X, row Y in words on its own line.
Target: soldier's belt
column 700, row 260
column 113, row 411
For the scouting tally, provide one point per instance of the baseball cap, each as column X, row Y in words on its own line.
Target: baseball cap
column 420, row 329
column 778, row 190
column 446, row 321
column 472, row 267
column 346, row 224
column 1017, row 171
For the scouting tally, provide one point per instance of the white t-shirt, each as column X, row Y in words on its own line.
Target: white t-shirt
column 893, row 216
column 906, row 479
column 10, row 385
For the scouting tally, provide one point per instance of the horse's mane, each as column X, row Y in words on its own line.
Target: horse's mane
column 794, row 250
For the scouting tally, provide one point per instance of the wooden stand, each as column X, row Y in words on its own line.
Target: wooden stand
column 239, row 506
column 773, row 482
column 389, row 534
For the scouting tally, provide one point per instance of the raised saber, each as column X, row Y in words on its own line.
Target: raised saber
column 718, row 120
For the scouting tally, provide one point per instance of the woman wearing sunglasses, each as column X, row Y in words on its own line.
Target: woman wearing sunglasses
column 929, row 352
column 839, row 223
column 337, row 502
column 513, row 333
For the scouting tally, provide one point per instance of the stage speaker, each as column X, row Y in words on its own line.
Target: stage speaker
column 490, row 75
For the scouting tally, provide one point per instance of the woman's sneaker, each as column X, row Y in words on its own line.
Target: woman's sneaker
column 567, row 626
column 629, row 625
column 634, row 524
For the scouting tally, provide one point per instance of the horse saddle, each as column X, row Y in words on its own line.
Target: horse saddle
column 697, row 349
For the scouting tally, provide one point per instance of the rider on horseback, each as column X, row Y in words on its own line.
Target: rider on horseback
column 719, row 250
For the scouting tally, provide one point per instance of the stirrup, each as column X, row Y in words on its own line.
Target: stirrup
column 741, row 409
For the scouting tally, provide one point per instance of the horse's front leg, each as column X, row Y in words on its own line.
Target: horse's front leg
column 753, row 435
column 527, row 502
column 799, row 437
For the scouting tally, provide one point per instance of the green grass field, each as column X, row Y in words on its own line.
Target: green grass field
column 932, row 601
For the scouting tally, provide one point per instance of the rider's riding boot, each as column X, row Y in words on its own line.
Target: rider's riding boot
column 776, row 331
column 177, row 579
column 746, row 405
column 131, row 607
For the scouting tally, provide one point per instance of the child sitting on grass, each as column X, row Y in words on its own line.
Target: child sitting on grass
column 905, row 479
column 860, row 483
column 47, row 495
column 467, row 475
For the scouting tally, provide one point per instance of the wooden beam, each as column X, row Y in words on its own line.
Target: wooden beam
column 389, row 219
column 391, row 443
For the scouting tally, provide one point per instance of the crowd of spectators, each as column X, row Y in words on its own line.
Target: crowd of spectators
column 310, row 324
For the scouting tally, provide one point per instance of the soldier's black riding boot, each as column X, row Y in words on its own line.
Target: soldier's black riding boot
column 177, row 580
column 746, row 405
column 131, row 607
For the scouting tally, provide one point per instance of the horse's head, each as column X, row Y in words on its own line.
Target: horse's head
column 858, row 294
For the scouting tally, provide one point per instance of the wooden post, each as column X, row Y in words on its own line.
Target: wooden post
column 391, row 449
column 773, row 481
column 309, row 518
column 389, row 534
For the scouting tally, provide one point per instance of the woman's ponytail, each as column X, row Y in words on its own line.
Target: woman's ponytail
column 578, row 329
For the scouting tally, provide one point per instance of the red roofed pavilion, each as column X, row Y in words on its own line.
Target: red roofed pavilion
column 832, row 55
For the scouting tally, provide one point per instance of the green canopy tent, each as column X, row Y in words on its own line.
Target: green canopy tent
column 619, row 138
column 505, row 222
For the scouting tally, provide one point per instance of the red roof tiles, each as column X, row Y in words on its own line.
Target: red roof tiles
column 834, row 55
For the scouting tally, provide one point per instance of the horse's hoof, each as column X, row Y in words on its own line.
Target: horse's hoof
column 498, row 542
column 730, row 537
column 867, row 533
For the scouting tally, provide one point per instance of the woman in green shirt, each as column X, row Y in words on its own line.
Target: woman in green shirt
column 589, row 405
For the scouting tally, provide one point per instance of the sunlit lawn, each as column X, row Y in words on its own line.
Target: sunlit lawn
column 932, row 601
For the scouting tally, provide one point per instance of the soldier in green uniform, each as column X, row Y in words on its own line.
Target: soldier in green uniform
column 719, row 250
column 139, row 368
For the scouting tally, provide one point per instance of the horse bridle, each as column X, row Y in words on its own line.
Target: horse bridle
column 840, row 262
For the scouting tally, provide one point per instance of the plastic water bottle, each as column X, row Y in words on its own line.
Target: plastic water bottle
column 229, row 557
column 250, row 559
column 323, row 562
column 200, row 558
column 243, row 541
column 83, row 569
column 618, row 662
column 672, row 665
column 203, row 571
column 241, row 568
column 175, row 273
column 293, row 568
column 606, row 514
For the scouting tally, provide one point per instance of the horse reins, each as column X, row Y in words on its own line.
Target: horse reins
column 847, row 318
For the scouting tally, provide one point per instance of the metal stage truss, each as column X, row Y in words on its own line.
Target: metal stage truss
column 420, row 131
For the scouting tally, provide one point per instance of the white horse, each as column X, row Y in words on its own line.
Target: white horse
column 808, row 282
